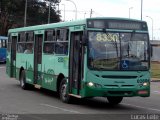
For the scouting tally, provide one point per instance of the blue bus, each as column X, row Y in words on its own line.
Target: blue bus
column 3, row 46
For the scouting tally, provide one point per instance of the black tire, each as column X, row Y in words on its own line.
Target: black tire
column 64, row 97
column 23, row 83
column 114, row 100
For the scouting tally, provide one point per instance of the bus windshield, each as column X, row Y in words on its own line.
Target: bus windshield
column 118, row 51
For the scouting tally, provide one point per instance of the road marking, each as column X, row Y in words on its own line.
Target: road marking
column 156, row 92
column 2, row 67
column 141, row 107
column 63, row 109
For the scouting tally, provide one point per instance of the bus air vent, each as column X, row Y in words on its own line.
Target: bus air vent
column 119, row 77
column 111, row 86
column 127, row 85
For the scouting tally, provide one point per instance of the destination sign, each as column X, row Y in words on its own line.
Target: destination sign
column 124, row 25
column 117, row 24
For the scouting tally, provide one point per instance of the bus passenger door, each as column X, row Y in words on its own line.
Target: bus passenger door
column 75, row 63
column 38, row 59
column 13, row 56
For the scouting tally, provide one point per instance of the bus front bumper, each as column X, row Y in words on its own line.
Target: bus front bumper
column 90, row 91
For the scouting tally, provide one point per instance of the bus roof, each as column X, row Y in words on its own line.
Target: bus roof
column 48, row 26
column 3, row 38
column 115, row 18
column 66, row 24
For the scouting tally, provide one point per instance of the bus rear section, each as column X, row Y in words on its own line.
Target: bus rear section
column 3, row 45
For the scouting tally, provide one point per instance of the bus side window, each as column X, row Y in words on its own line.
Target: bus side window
column 25, row 42
column 48, row 48
column 21, row 42
column 29, row 48
column 58, row 35
column 62, row 34
column 0, row 43
column 61, row 45
column 21, row 47
column 50, row 37
column 29, row 37
column 29, row 42
column 3, row 44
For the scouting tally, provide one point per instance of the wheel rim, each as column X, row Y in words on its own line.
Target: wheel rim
column 63, row 91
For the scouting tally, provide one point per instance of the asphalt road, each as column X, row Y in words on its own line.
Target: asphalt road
column 44, row 105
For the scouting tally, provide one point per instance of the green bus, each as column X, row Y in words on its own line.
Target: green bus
column 94, row 57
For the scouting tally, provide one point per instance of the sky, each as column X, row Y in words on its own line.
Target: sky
column 115, row 8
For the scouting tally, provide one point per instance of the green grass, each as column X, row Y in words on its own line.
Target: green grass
column 155, row 70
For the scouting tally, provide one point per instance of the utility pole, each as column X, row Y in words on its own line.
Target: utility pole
column 25, row 14
column 152, row 25
column 130, row 11
column 91, row 13
column 85, row 15
column 141, row 8
column 64, row 11
column 49, row 12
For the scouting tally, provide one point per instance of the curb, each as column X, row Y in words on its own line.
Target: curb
column 155, row 80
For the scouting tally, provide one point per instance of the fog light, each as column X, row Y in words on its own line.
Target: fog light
column 90, row 84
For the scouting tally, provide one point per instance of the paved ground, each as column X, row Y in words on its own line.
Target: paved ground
column 45, row 105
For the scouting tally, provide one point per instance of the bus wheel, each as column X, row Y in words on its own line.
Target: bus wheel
column 63, row 92
column 114, row 100
column 23, row 83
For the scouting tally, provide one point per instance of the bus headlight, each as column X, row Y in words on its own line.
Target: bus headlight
column 90, row 84
column 145, row 84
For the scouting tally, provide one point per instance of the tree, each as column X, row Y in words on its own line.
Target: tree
column 12, row 13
